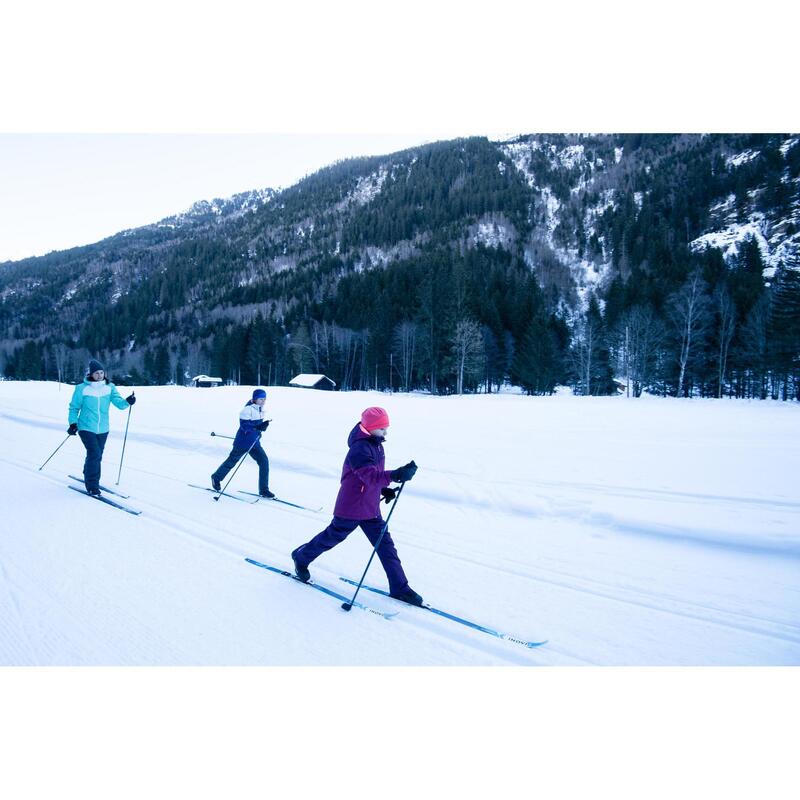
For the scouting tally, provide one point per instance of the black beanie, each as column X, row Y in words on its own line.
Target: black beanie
column 94, row 365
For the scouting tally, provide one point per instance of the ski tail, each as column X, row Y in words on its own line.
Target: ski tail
column 105, row 500
column 285, row 502
column 222, row 494
column 104, row 488
column 323, row 589
column 454, row 618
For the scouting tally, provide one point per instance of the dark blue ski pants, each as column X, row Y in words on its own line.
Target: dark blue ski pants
column 95, row 444
column 257, row 454
column 340, row 529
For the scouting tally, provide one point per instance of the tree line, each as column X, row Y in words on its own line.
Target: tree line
column 287, row 289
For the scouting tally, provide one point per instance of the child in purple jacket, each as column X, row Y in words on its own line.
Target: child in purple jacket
column 364, row 482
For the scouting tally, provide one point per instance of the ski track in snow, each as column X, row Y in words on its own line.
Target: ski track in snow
column 590, row 566
column 234, row 546
column 10, row 632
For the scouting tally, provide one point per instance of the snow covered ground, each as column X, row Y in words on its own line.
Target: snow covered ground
column 625, row 532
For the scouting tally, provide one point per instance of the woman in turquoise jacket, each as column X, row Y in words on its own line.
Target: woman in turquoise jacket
column 88, row 417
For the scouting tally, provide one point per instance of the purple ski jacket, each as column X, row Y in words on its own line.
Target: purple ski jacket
column 363, row 477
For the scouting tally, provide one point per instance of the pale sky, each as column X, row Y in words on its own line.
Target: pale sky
column 63, row 190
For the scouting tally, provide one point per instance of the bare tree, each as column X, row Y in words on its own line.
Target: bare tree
column 322, row 342
column 405, row 338
column 588, row 338
column 347, row 343
column 639, row 337
column 688, row 309
column 60, row 352
column 301, row 350
column 726, row 326
column 466, row 348
column 583, row 351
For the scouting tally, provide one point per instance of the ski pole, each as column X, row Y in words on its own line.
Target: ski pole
column 55, row 451
column 241, row 460
column 124, row 441
column 222, row 435
column 348, row 606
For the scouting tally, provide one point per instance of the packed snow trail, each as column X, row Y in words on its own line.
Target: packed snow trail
column 624, row 532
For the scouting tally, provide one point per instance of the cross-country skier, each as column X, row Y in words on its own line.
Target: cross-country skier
column 364, row 482
column 251, row 425
column 88, row 417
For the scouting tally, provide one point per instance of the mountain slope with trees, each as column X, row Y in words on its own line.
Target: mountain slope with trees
column 664, row 262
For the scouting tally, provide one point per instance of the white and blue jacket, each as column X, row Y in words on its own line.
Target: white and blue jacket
column 250, row 417
column 90, row 402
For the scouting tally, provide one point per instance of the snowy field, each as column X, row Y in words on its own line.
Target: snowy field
column 625, row 532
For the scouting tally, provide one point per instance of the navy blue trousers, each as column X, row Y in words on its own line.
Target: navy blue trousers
column 95, row 444
column 257, row 454
column 340, row 529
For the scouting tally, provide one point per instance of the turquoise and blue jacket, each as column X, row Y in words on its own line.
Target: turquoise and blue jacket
column 90, row 402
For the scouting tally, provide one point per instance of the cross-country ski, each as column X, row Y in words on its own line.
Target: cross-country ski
column 323, row 589
column 454, row 618
column 105, row 500
column 222, row 494
column 103, row 488
column 283, row 502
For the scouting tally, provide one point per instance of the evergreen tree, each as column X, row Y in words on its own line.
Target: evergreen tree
column 161, row 365
column 784, row 333
column 535, row 361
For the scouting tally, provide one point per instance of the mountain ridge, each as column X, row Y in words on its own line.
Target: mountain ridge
column 575, row 212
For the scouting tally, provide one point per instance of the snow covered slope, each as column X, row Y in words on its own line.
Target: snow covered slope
column 651, row 531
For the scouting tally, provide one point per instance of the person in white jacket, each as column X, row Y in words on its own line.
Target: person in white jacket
column 251, row 425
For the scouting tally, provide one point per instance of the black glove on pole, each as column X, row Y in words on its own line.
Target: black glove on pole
column 388, row 494
column 131, row 400
column 222, row 490
column 57, row 449
column 404, row 473
column 348, row 606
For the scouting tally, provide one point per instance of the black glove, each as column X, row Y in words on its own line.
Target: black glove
column 263, row 425
column 404, row 473
column 131, row 399
column 73, row 428
column 388, row 494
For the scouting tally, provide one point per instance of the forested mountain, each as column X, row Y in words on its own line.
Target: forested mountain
column 668, row 263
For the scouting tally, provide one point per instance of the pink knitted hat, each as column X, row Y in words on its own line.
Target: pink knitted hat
column 374, row 417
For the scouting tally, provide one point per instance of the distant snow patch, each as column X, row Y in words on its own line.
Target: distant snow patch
column 369, row 187
column 493, row 231
column 730, row 238
column 520, row 153
column 571, row 156
column 741, row 158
